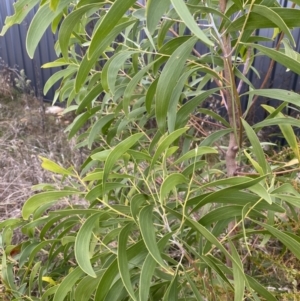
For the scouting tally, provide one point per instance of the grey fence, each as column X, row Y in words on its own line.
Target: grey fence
column 13, row 52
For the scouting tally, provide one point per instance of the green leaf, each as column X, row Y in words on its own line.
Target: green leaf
column 226, row 213
column 279, row 57
column 53, row 167
column 189, row 21
column 165, row 143
column 87, row 286
column 170, row 183
column 279, row 94
column 80, row 120
column 175, row 97
column 50, row 291
column 67, row 25
column 148, row 234
column 287, row 132
column 262, row 192
column 269, row 13
column 42, row 198
column 172, row 291
column 238, row 275
column 292, row 244
column 215, row 116
column 96, row 176
column 193, row 287
column 57, row 63
column 37, row 248
column 219, row 194
column 39, row 24
column 185, row 111
column 210, row 237
column 67, row 284
column 148, row 269
column 33, row 275
column 194, row 153
column 21, row 8
column 150, row 96
column 212, row 138
column 101, row 156
column 168, row 80
column 99, row 191
column 108, row 23
column 123, row 261
column 112, row 68
column 82, row 244
column 88, row 62
column 253, row 21
column 135, row 254
column 132, row 85
column 256, row 286
column 167, row 49
column 136, row 203
column 277, row 121
column 98, row 128
column 117, row 152
column 54, row 4
column 57, row 76
column 294, row 201
column 87, row 100
column 256, row 147
column 154, row 11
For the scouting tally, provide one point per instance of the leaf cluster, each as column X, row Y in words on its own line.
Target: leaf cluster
column 165, row 219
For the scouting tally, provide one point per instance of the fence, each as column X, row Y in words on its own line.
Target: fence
column 13, row 52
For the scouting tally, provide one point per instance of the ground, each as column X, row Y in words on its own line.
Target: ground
column 26, row 133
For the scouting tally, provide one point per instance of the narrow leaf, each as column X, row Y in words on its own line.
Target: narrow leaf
column 82, row 244
column 67, row 25
column 168, row 80
column 123, row 260
column 279, row 57
column 165, row 143
column 117, row 152
column 53, row 167
column 189, row 21
column 154, row 11
column 108, row 23
column 21, row 8
column 42, row 198
column 292, row 244
column 88, row 62
column 287, row 132
column 67, row 284
column 256, row 147
column 148, row 233
column 269, row 13
column 39, row 24
column 238, row 275
column 148, row 269
column 170, row 183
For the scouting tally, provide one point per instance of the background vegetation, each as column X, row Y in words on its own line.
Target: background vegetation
column 181, row 198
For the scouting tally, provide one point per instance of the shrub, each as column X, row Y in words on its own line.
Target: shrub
column 176, row 209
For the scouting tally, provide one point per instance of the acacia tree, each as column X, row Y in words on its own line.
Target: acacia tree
column 170, row 213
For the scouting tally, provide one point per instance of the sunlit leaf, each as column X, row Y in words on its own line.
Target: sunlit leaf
column 168, row 78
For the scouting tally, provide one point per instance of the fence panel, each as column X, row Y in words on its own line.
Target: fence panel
column 13, row 51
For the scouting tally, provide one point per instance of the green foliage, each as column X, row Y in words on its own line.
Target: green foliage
column 176, row 208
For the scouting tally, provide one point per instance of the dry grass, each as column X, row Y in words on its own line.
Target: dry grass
column 25, row 134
